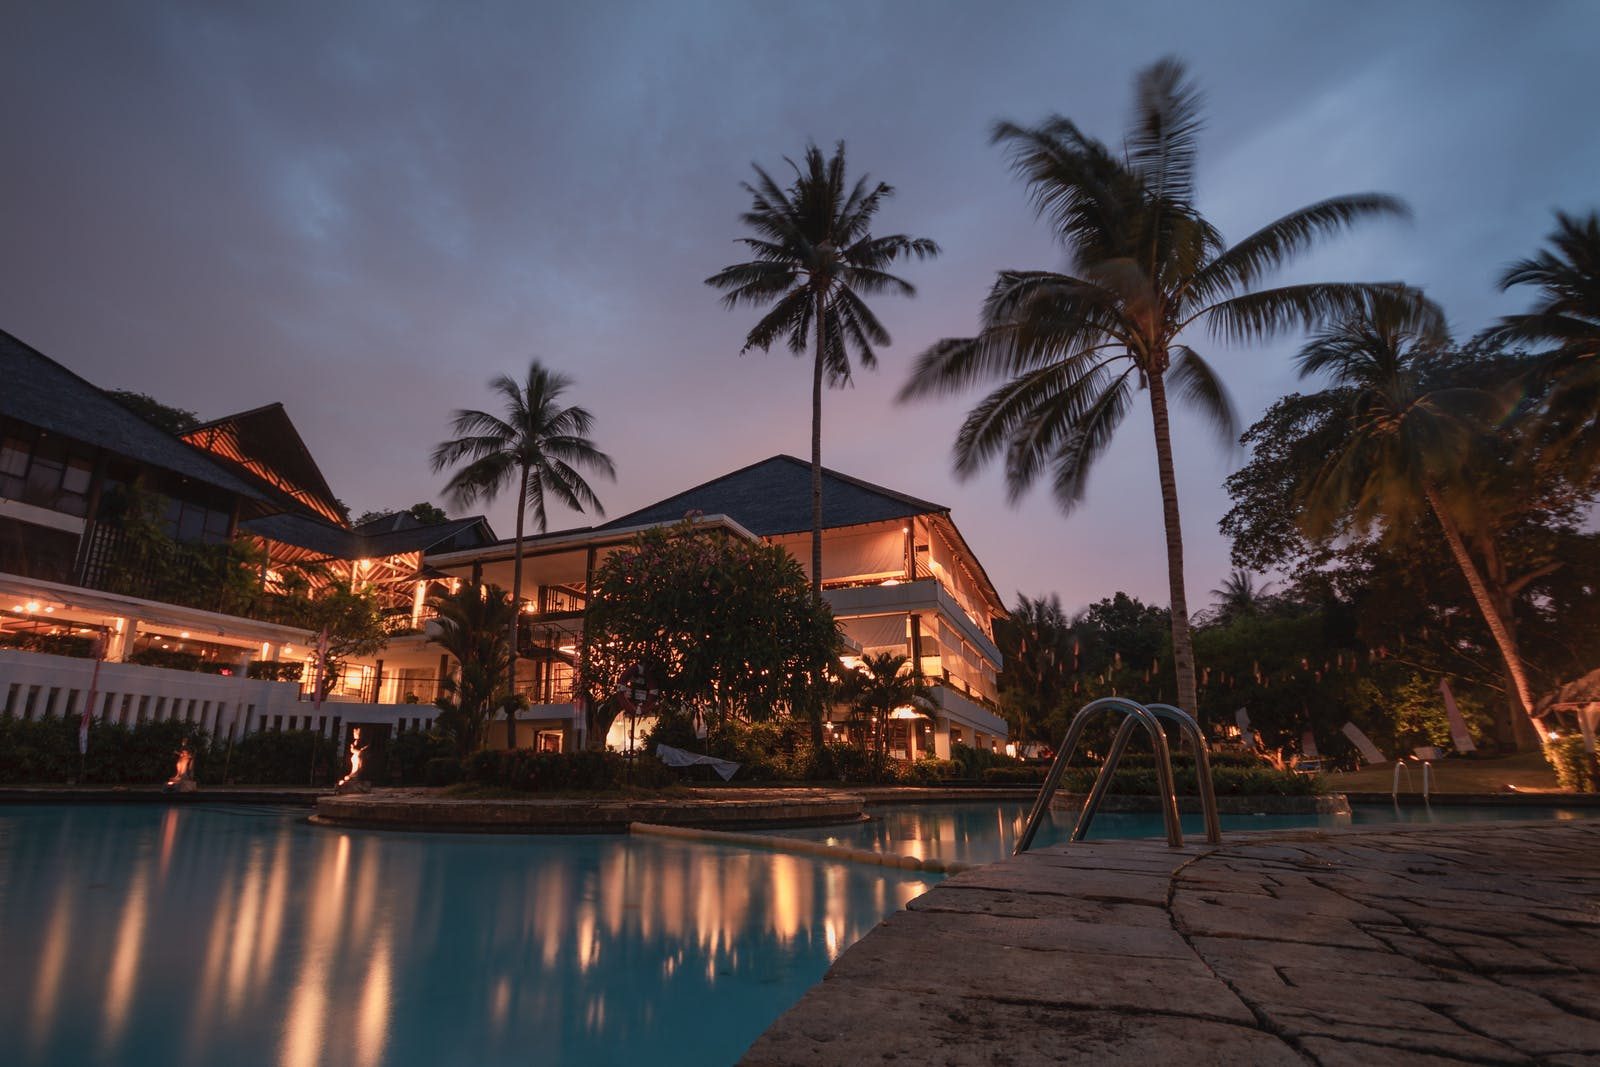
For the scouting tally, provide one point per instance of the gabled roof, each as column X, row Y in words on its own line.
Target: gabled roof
column 38, row 390
column 774, row 497
column 265, row 446
column 336, row 542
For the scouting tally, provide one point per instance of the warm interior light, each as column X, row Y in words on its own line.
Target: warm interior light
column 183, row 633
column 49, row 610
column 33, row 605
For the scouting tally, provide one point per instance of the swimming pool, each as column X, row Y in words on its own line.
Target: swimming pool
column 985, row 831
column 216, row 934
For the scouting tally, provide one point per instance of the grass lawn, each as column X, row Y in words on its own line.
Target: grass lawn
column 1525, row 770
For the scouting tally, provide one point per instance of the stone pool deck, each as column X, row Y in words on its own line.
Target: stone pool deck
column 1477, row 943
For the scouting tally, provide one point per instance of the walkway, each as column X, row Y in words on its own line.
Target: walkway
column 1421, row 945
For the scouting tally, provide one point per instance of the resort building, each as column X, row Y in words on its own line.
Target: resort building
column 122, row 541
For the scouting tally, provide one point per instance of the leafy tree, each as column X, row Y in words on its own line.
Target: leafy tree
column 539, row 446
column 1038, row 653
column 1405, row 450
column 1566, row 317
column 173, row 420
column 883, row 684
column 424, row 512
column 471, row 625
column 726, row 629
column 815, row 260
column 1147, row 270
column 353, row 622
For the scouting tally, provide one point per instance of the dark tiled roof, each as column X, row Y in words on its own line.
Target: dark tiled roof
column 36, row 389
column 774, row 497
column 336, row 542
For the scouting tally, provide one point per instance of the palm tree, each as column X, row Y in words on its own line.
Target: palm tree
column 1240, row 595
column 883, row 684
column 1406, row 450
column 1145, row 268
column 471, row 626
column 538, row 445
column 1038, row 648
column 814, row 261
column 1567, row 318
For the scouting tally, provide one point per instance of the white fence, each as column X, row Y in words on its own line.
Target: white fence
column 34, row 685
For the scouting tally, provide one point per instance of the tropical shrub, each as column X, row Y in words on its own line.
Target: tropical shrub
column 1575, row 768
column 75, row 645
column 175, row 660
column 45, row 751
column 274, row 670
column 409, row 754
column 277, row 757
column 542, row 772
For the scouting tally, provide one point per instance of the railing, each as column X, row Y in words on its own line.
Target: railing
column 1427, row 778
column 1134, row 715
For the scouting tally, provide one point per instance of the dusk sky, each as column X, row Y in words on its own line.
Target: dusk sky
column 368, row 210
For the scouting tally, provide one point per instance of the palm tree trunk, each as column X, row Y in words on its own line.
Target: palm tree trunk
column 516, row 614
column 1498, row 627
column 815, row 710
column 1182, row 640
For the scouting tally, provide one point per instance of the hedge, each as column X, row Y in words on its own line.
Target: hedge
column 541, row 772
column 1575, row 768
column 74, row 645
column 275, row 670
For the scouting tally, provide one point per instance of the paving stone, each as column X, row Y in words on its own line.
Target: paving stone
column 1427, row 945
column 1005, row 903
column 1331, row 1053
column 904, row 953
column 954, row 1031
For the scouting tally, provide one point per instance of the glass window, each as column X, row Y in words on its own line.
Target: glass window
column 14, row 457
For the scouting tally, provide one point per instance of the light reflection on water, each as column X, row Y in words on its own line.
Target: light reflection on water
column 208, row 935
column 985, row 831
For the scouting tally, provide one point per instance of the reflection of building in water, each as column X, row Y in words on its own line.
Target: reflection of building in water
column 320, row 946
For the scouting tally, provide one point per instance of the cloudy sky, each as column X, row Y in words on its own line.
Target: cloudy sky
column 367, row 210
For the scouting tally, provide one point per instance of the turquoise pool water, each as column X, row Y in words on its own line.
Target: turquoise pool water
column 220, row 936
column 235, row 936
column 984, row 832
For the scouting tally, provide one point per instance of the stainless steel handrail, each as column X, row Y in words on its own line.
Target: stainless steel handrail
column 1190, row 729
column 1132, row 711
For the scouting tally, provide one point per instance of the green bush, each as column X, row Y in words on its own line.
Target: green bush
column 1226, row 780
column 1023, row 774
column 928, row 770
column 75, row 645
column 45, row 751
column 1575, row 768
column 277, row 757
column 543, row 772
column 275, row 670
column 974, row 761
column 174, row 660
column 445, row 770
column 408, row 754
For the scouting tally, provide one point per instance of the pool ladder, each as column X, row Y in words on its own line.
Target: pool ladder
column 1134, row 715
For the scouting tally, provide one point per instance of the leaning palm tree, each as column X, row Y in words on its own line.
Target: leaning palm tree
column 1146, row 271
column 814, row 262
column 540, row 446
column 1407, row 451
column 1566, row 317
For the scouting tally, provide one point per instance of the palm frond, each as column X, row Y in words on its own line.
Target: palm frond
column 1196, row 384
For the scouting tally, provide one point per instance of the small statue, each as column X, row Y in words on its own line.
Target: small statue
column 182, row 780
column 350, row 783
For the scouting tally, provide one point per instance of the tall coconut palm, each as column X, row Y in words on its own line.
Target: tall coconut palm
column 1565, row 317
column 538, row 445
column 1406, row 451
column 814, row 260
column 1146, row 273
